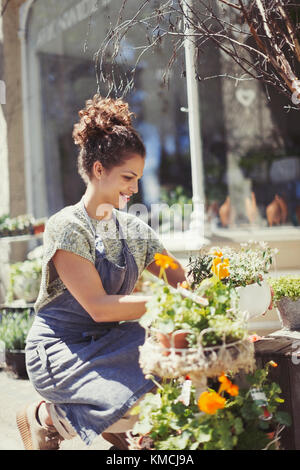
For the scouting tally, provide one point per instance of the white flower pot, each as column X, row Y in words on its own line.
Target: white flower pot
column 254, row 299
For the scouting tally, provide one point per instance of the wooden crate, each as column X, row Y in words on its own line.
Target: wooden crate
column 283, row 347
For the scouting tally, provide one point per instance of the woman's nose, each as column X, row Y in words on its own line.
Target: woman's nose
column 135, row 187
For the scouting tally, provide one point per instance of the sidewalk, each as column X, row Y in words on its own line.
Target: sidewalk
column 14, row 393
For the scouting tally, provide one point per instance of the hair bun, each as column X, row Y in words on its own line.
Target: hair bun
column 101, row 115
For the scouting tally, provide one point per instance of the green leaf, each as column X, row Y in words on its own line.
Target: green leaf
column 179, row 442
column 283, row 418
column 166, row 326
column 203, row 434
column 238, row 426
column 143, row 427
column 146, row 320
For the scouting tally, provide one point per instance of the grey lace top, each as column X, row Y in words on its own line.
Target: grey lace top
column 69, row 230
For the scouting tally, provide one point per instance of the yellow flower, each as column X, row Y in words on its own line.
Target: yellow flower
column 165, row 261
column 210, row 402
column 220, row 268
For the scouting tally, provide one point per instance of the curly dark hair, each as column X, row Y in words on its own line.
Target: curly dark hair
column 105, row 134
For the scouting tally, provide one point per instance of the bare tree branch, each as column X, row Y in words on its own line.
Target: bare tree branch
column 261, row 36
column 4, row 7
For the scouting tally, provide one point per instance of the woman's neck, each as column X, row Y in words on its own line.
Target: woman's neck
column 96, row 208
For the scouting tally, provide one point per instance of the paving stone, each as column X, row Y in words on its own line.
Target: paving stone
column 13, row 394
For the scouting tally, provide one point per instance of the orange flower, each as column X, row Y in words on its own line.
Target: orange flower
column 254, row 338
column 210, row 402
column 184, row 285
column 225, row 383
column 233, row 390
column 165, row 261
column 273, row 363
column 228, row 386
column 223, row 272
column 217, row 253
column 215, row 263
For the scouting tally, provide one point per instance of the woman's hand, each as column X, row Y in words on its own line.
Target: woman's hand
column 174, row 276
column 271, row 303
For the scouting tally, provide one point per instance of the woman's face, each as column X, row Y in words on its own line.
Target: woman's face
column 117, row 185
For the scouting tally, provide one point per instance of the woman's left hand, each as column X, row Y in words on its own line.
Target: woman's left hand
column 271, row 303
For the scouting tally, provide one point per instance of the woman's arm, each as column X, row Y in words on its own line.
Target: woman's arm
column 173, row 275
column 83, row 281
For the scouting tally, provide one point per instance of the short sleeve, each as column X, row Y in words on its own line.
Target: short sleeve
column 154, row 245
column 71, row 237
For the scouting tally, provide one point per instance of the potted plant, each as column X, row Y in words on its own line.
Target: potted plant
column 4, row 231
column 210, row 306
column 39, row 225
column 287, row 300
column 25, row 279
column 244, row 269
column 199, row 332
column 223, row 417
column 14, row 328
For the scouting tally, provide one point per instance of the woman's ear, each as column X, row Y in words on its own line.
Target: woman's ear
column 97, row 169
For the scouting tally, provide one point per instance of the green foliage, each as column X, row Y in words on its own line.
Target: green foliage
column 14, row 328
column 20, row 225
column 238, row 426
column 168, row 311
column 285, row 286
column 28, row 270
column 179, row 206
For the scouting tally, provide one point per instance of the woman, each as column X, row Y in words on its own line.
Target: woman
column 82, row 350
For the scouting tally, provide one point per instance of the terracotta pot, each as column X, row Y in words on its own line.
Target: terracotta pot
column 177, row 340
column 277, row 211
column 254, row 298
column 38, row 229
column 289, row 313
column 15, row 361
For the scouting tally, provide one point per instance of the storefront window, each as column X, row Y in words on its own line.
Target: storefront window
column 251, row 149
column 63, row 38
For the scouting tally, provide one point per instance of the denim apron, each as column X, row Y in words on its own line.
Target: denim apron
column 89, row 369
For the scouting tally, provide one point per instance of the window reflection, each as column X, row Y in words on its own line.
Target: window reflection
column 248, row 183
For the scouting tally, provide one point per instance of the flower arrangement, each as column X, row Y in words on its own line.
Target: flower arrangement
column 189, row 414
column 223, row 417
column 210, row 310
column 247, row 265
